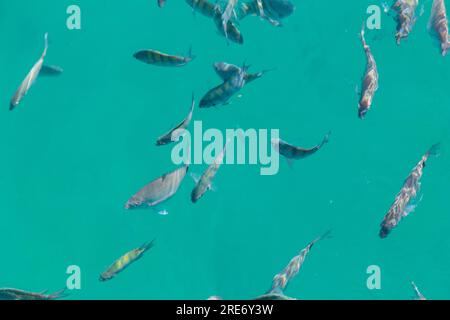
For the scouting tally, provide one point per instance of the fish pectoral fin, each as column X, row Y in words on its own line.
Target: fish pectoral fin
column 195, row 177
column 290, row 163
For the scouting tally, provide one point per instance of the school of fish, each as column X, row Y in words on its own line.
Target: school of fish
column 228, row 19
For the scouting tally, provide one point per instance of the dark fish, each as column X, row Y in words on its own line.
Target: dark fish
column 162, row 59
column 370, row 80
column 402, row 205
column 204, row 7
column 50, row 71
column 16, row 294
column 419, row 295
column 205, row 182
column 406, row 17
column 221, row 94
column 125, row 261
column 438, row 24
column 175, row 133
column 292, row 152
column 158, row 190
column 30, row 78
column 226, row 70
column 161, row 3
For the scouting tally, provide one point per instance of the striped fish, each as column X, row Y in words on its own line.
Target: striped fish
column 227, row 14
column 292, row 152
column 281, row 280
column 50, row 71
column 406, row 17
column 272, row 10
column 162, row 59
column 16, row 294
column 221, row 94
column 370, row 80
column 204, row 7
column 402, row 205
column 30, row 78
column 175, row 133
column 205, row 182
column 438, row 24
column 125, row 261
column 226, row 70
column 158, row 190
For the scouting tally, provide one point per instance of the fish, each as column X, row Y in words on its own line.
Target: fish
column 370, row 80
column 281, row 280
column 50, row 71
column 175, row 133
column 158, row 58
column 227, row 14
column 226, row 70
column 271, row 10
column 30, row 78
column 409, row 191
column 161, row 3
column 419, row 295
column 158, row 190
column 17, row 294
column 205, row 7
column 221, row 94
column 205, row 182
column 125, row 261
column 438, row 24
column 230, row 31
column 406, row 17
column 292, row 152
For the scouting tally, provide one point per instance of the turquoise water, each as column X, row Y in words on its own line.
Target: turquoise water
column 79, row 145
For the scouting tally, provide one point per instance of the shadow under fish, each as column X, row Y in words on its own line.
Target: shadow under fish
column 161, row 59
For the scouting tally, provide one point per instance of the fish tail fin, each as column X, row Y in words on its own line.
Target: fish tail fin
column 434, row 150
column 147, row 246
column 191, row 56
column 326, row 139
column 58, row 294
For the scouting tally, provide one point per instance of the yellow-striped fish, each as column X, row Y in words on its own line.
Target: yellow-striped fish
column 124, row 261
column 158, row 58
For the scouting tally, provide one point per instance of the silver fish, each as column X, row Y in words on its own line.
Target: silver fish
column 175, row 133
column 281, row 280
column 205, row 181
column 438, row 24
column 409, row 191
column 292, row 152
column 16, row 294
column 370, row 80
column 158, row 190
column 30, row 78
